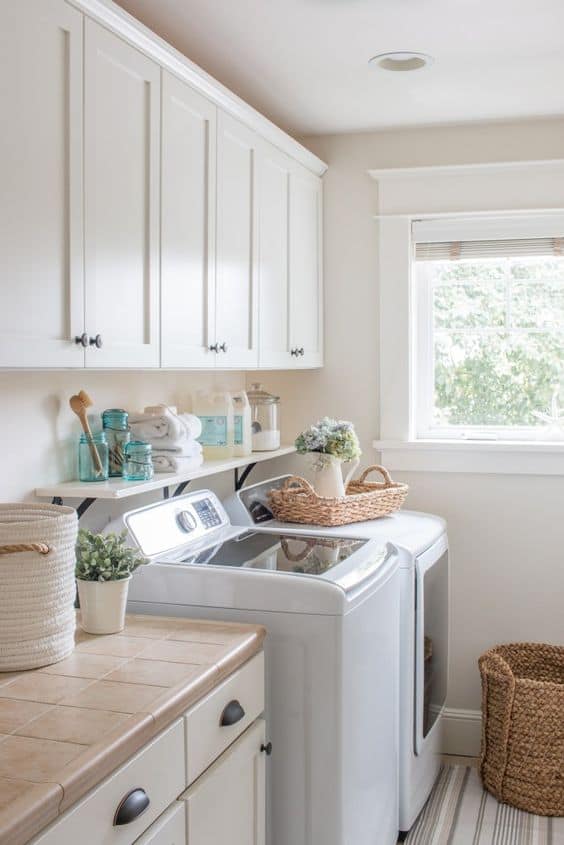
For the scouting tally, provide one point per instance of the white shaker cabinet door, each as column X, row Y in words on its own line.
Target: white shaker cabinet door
column 122, row 166
column 236, row 333
column 306, row 270
column 187, row 226
column 41, row 281
column 227, row 803
column 274, row 186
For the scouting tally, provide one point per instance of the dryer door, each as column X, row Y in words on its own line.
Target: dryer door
column 431, row 639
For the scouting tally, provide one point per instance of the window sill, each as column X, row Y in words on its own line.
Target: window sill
column 500, row 457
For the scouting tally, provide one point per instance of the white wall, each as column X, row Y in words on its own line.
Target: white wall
column 507, row 532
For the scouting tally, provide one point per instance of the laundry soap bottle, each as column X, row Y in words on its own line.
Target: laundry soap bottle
column 242, row 424
column 215, row 410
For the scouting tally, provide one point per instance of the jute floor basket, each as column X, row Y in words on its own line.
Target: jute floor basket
column 297, row 501
column 522, row 760
column 37, row 584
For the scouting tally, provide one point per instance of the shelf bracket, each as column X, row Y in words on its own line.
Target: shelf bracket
column 240, row 479
column 81, row 509
column 181, row 488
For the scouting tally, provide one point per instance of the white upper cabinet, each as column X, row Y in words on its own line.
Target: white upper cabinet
column 41, row 284
column 187, row 226
column 274, row 170
column 122, row 167
column 306, row 271
column 236, row 328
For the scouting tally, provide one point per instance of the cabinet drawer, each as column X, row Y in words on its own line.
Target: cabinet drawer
column 169, row 829
column 239, row 700
column 158, row 769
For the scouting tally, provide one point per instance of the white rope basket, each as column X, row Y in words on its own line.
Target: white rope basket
column 37, row 584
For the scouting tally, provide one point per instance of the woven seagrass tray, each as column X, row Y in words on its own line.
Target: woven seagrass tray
column 522, row 761
column 297, row 501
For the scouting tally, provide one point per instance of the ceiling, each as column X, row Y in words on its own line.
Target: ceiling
column 304, row 63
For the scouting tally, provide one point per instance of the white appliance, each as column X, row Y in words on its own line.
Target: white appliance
column 331, row 609
column 422, row 544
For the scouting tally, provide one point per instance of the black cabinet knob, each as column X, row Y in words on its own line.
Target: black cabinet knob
column 131, row 806
column 294, row 352
column 81, row 340
column 267, row 749
column 223, row 347
column 214, row 347
column 232, row 714
column 96, row 341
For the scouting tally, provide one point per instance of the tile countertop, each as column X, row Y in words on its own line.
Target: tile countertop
column 65, row 727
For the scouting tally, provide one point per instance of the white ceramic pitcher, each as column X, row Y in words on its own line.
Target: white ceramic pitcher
column 328, row 475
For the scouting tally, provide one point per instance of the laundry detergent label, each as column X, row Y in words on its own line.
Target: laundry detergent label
column 238, row 437
column 214, row 431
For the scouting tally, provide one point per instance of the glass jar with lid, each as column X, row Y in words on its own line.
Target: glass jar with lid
column 265, row 419
column 116, row 426
column 138, row 461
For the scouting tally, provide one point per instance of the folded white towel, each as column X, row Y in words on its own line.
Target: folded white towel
column 175, row 427
column 170, row 462
column 184, row 448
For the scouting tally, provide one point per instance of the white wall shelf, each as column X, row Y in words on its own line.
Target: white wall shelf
column 117, row 488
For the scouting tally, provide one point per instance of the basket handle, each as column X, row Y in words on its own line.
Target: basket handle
column 299, row 485
column 299, row 556
column 40, row 548
column 377, row 468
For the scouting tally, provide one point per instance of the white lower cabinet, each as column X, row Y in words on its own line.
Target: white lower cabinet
column 226, row 805
column 216, row 749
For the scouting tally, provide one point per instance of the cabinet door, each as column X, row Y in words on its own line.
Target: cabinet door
column 41, row 288
column 187, row 226
column 274, row 185
column 122, row 131
column 236, row 273
column 169, row 829
column 306, row 272
column 227, row 803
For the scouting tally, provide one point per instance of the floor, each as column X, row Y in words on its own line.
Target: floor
column 460, row 812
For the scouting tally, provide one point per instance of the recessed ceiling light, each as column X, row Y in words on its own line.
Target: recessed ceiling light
column 401, row 61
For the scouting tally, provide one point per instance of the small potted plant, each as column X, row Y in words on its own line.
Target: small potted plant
column 104, row 564
column 330, row 443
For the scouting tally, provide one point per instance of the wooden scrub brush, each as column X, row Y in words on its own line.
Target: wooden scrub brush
column 79, row 404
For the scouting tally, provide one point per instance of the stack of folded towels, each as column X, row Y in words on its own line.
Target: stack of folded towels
column 173, row 438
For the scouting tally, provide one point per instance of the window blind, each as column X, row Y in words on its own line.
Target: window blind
column 476, row 249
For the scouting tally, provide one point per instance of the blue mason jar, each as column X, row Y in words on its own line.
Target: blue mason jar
column 116, row 426
column 138, row 462
column 93, row 457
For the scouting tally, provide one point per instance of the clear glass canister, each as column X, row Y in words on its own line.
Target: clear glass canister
column 138, row 463
column 93, row 457
column 265, row 419
column 116, row 426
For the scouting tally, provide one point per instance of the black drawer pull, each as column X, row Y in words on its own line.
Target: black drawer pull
column 232, row 714
column 131, row 807
column 266, row 749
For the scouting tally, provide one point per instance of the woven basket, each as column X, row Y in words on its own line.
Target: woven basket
column 297, row 501
column 522, row 760
column 37, row 585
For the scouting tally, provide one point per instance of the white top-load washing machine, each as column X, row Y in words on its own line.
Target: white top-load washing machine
column 422, row 544
column 331, row 609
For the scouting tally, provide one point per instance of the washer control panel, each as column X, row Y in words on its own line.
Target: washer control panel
column 170, row 525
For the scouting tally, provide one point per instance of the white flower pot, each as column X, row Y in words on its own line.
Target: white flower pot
column 102, row 605
column 328, row 476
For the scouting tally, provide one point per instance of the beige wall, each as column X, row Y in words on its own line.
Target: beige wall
column 506, row 532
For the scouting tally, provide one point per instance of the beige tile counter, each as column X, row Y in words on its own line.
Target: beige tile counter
column 65, row 727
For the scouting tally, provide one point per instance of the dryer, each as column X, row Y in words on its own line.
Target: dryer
column 330, row 605
column 422, row 544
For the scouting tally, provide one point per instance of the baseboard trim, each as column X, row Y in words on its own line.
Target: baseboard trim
column 462, row 731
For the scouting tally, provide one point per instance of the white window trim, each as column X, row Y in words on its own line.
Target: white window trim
column 523, row 189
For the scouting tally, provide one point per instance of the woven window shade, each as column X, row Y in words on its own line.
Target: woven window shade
column 509, row 248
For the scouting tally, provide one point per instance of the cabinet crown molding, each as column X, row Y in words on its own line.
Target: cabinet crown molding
column 122, row 23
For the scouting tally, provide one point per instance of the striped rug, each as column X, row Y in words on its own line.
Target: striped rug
column 460, row 812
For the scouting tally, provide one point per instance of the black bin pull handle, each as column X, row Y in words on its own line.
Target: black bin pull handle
column 131, row 806
column 232, row 714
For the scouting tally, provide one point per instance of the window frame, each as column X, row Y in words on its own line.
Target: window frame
column 422, row 328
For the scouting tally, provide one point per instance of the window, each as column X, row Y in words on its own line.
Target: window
column 489, row 351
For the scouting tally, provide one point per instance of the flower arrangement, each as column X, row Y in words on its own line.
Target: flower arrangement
column 104, row 557
column 330, row 437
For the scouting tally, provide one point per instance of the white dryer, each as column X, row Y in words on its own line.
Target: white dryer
column 330, row 605
column 422, row 544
